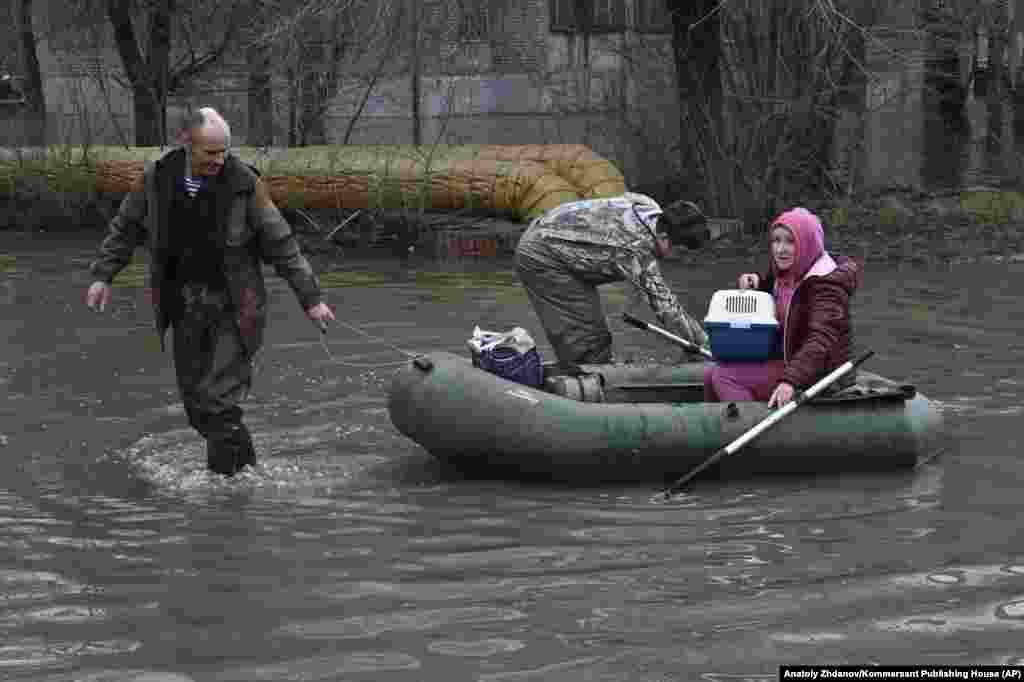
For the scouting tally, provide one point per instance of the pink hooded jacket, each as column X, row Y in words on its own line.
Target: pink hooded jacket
column 812, row 302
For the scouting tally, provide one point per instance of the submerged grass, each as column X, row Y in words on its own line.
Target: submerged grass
column 437, row 286
column 353, row 278
column 136, row 274
column 440, row 283
column 453, row 287
column 498, row 278
column 7, row 262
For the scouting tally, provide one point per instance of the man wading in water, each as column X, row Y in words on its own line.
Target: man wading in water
column 208, row 220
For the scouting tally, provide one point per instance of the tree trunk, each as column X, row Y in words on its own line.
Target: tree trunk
column 160, row 65
column 35, row 112
column 697, row 47
column 145, row 81
column 149, row 116
column 996, row 92
column 149, row 70
column 382, row 63
column 854, row 103
column 311, row 94
column 293, row 107
column 946, row 129
column 321, row 67
column 417, row 123
column 261, row 101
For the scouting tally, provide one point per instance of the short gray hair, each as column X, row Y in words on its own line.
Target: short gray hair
column 207, row 118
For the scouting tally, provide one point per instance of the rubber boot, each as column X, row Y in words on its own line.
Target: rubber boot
column 246, row 453
column 227, row 453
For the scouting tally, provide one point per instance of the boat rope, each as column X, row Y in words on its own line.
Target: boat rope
column 377, row 339
column 937, row 453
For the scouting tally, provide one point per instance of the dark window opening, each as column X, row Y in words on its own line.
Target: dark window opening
column 474, row 21
column 583, row 16
column 653, row 16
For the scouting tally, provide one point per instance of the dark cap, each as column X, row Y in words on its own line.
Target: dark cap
column 685, row 223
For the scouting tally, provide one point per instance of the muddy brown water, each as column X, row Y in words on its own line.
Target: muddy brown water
column 348, row 556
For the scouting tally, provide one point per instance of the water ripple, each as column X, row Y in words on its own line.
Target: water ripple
column 176, row 462
column 990, row 617
column 325, row 668
column 346, row 554
column 476, row 649
column 544, row 672
column 35, row 653
column 131, row 676
column 56, row 614
column 16, row 586
column 373, row 625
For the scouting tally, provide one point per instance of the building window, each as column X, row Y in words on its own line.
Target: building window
column 474, row 21
column 595, row 16
column 609, row 15
column 563, row 15
column 652, row 16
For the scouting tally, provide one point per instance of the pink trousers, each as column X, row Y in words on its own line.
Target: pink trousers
column 736, row 381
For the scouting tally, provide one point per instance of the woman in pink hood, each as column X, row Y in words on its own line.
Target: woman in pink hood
column 812, row 293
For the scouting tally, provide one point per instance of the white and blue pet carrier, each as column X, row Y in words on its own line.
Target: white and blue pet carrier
column 741, row 325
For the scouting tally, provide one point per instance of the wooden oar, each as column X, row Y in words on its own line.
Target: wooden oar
column 774, row 418
column 688, row 345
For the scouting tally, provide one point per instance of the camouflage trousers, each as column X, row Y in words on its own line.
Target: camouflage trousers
column 214, row 373
column 569, row 308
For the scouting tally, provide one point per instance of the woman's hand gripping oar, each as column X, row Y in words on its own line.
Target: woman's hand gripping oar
column 678, row 340
column 774, row 418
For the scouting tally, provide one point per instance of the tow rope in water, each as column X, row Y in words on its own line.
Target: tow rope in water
column 371, row 337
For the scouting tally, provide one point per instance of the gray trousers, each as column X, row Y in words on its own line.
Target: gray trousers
column 569, row 308
column 213, row 368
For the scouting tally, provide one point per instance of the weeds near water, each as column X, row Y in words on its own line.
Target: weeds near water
column 449, row 287
column 464, row 279
column 134, row 275
column 353, row 278
column 442, row 287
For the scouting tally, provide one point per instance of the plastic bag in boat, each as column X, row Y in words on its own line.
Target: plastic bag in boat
column 512, row 355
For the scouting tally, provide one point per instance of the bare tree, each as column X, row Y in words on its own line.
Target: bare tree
column 163, row 44
column 416, row 71
column 377, row 73
column 9, row 39
column 322, row 48
column 761, row 85
column 791, row 64
column 697, row 48
column 260, row 91
column 35, row 111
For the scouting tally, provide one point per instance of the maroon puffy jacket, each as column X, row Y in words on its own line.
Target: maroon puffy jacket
column 818, row 332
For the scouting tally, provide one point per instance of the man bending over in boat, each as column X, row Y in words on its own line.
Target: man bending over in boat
column 565, row 254
column 812, row 293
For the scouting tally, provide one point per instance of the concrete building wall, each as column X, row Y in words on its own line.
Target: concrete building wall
column 902, row 140
column 516, row 82
column 893, row 141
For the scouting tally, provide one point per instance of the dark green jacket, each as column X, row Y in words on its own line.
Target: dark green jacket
column 251, row 230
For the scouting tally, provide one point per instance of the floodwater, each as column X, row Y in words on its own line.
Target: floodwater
column 347, row 556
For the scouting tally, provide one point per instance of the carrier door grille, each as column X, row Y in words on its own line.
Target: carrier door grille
column 741, row 305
